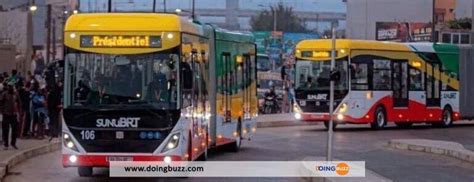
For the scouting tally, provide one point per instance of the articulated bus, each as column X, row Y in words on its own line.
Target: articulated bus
column 382, row 82
column 154, row 87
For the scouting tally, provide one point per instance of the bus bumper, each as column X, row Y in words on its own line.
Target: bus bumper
column 103, row 160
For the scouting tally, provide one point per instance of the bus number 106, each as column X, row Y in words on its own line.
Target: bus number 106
column 88, row 134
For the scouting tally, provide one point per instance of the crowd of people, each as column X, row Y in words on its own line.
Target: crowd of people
column 29, row 107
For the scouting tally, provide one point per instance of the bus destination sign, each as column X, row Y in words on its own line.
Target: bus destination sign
column 120, row 41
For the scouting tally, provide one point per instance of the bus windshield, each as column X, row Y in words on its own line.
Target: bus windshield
column 263, row 63
column 314, row 75
column 101, row 80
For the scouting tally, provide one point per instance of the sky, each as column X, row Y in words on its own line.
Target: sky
column 299, row 5
column 146, row 5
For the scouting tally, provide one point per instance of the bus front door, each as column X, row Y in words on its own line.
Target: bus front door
column 433, row 85
column 400, row 83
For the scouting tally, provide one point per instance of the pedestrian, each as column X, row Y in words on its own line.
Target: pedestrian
column 38, row 104
column 9, row 108
column 25, row 116
column 54, row 108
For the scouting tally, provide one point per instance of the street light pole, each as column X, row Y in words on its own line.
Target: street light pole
column 194, row 8
column 433, row 24
column 164, row 6
column 274, row 20
column 331, row 95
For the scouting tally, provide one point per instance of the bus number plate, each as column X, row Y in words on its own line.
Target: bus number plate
column 120, row 158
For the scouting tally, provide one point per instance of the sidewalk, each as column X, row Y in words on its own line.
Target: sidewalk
column 279, row 120
column 27, row 149
column 446, row 148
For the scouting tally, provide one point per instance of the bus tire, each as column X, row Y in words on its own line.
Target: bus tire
column 326, row 125
column 404, row 125
column 84, row 171
column 235, row 146
column 380, row 119
column 447, row 118
column 203, row 156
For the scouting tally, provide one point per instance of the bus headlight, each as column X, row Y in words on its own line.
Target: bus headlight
column 343, row 108
column 296, row 108
column 298, row 116
column 172, row 142
column 73, row 158
column 340, row 117
column 68, row 143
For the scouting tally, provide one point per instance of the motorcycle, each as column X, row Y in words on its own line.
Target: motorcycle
column 270, row 105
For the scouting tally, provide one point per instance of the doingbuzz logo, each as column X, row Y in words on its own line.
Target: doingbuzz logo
column 341, row 169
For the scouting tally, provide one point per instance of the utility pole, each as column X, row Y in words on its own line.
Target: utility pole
column 274, row 19
column 110, row 6
column 48, row 34
column 154, row 6
column 30, row 36
column 164, row 6
column 331, row 95
column 54, row 40
column 193, row 16
column 433, row 24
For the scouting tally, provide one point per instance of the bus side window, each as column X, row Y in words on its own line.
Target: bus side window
column 359, row 76
column 382, row 74
column 416, row 80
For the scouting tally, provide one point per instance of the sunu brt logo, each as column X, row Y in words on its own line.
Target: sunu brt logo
column 340, row 168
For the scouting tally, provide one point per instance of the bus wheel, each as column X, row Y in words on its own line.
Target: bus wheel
column 326, row 125
column 447, row 117
column 203, row 156
column 404, row 125
column 84, row 171
column 380, row 119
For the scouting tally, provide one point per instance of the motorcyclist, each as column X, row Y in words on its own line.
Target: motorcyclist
column 271, row 92
column 271, row 96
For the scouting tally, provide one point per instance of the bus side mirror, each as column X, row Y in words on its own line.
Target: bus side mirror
column 335, row 75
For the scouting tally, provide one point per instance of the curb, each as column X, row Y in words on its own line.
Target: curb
column 446, row 148
column 26, row 154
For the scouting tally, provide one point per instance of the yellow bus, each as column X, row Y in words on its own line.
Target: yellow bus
column 154, row 87
column 381, row 82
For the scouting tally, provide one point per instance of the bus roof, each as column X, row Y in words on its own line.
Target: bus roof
column 222, row 34
column 324, row 44
column 133, row 22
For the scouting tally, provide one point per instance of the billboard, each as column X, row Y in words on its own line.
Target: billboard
column 279, row 46
column 403, row 31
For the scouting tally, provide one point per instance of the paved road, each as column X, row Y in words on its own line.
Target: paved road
column 352, row 142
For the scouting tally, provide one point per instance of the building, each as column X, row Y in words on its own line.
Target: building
column 363, row 15
column 396, row 20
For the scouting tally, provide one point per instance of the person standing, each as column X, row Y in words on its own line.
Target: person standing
column 25, row 116
column 39, row 111
column 54, row 108
column 9, row 109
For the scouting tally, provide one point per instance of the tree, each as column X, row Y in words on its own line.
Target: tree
column 287, row 21
column 459, row 24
